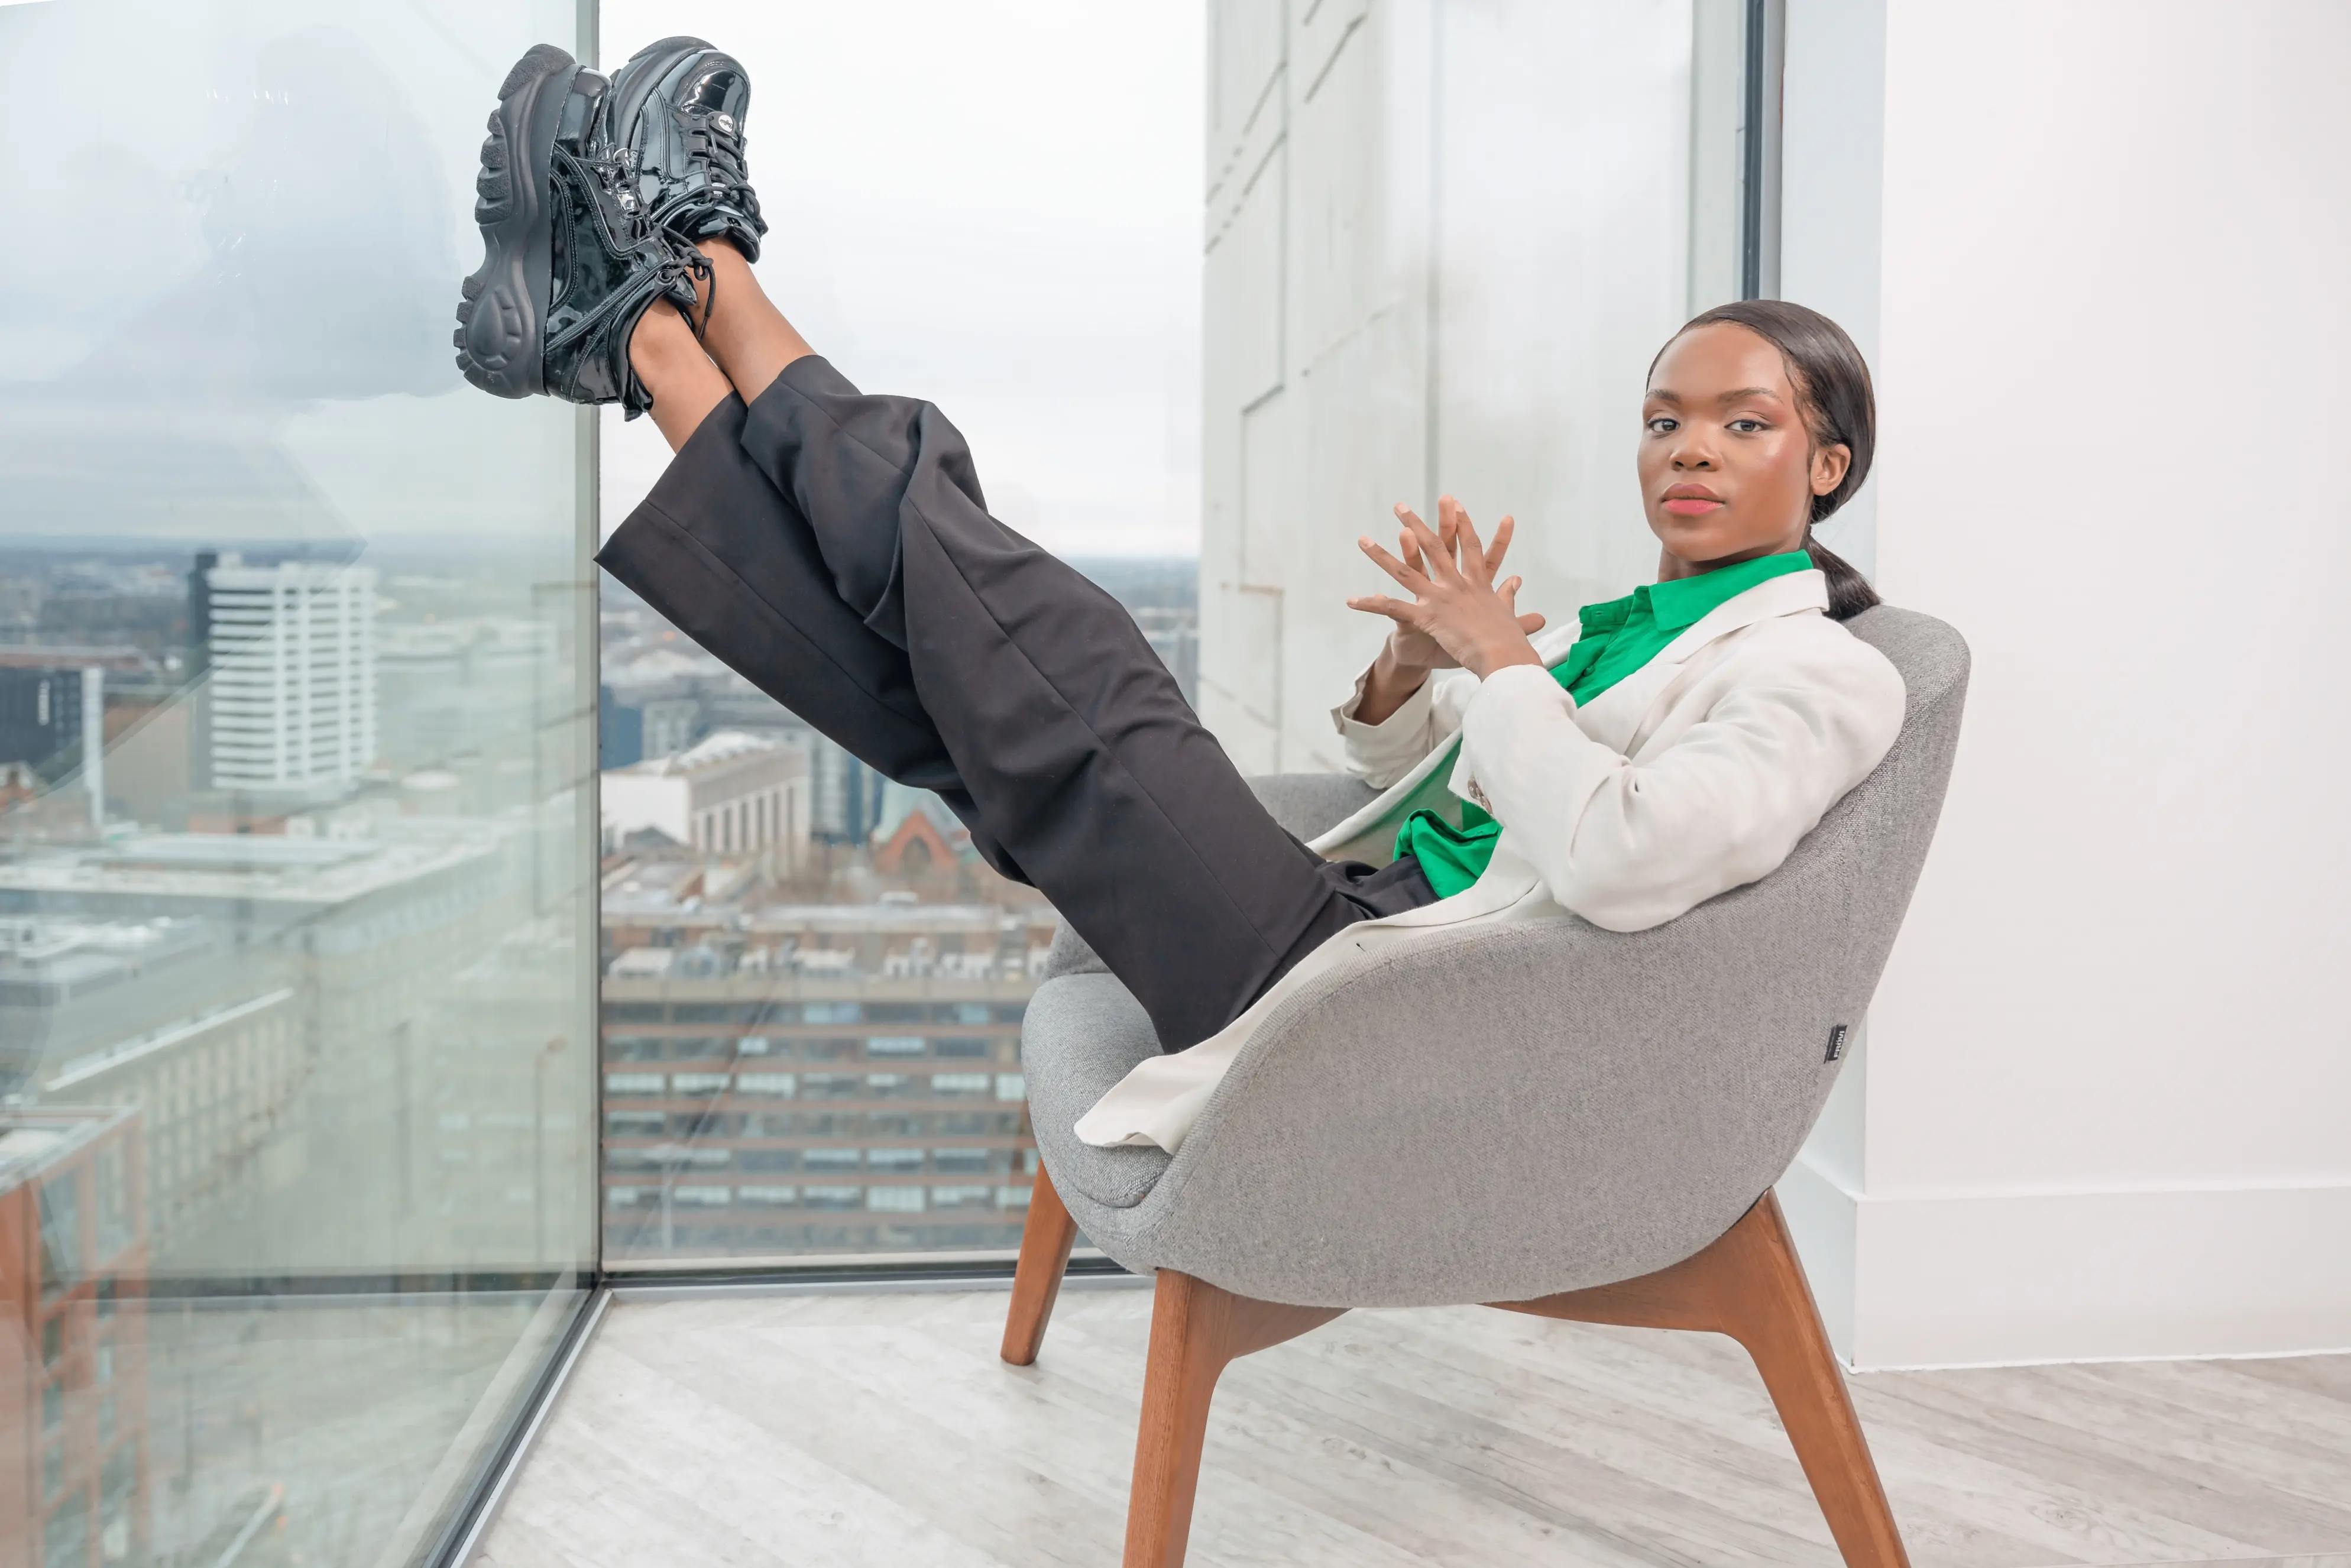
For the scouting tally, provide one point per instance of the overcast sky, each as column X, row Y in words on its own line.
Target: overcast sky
column 994, row 204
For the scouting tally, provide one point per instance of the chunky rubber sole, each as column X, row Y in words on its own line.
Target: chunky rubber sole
column 502, row 314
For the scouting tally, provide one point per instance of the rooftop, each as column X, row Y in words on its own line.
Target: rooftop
column 32, row 1140
column 714, row 751
column 253, row 867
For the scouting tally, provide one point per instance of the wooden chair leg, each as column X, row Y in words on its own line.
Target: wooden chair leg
column 1045, row 1239
column 1750, row 1285
column 1196, row 1331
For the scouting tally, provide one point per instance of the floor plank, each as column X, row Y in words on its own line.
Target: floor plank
column 748, row 1431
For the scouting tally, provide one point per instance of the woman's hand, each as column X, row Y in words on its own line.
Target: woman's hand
column 1458, row 616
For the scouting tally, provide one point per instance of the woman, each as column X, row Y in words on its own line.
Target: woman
column 835, row 548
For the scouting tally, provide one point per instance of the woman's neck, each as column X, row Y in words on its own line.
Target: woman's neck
column 1672, row 568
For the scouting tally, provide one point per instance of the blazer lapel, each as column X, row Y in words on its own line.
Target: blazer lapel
column 1617, row 716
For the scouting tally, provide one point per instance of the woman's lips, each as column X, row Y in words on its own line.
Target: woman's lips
column 1691, row 505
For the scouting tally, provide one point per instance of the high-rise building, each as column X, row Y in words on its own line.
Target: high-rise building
column 40, row 712
column 620, row 731
column 846, row 794
column 293, row 653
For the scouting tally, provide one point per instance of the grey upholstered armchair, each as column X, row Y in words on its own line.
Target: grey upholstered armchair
column 1551, row 1117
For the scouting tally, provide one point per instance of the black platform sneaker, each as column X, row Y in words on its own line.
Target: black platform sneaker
column 678, row 106
column 572, row 257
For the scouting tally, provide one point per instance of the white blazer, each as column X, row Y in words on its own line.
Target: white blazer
column 1695, row 774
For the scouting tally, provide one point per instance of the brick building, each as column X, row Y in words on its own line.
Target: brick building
column 73, row 1372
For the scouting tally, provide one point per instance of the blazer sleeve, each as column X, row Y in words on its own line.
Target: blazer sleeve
column 1380, row 754
column 1631, row 845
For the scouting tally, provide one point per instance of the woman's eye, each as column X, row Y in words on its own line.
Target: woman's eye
column 1663, row 424
column 1748, row 427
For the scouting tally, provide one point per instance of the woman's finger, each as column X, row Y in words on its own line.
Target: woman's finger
column 1409, row 548
column 1503, row 531
column 1395, row 610
column 1437, row 558
column 1474, row 564
column 1406, row 576
column 1508, row 593
column 1449, row 527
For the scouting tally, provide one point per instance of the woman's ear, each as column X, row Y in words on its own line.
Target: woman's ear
column 1829, row 465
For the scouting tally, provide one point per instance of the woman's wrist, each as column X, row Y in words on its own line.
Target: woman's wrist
column 1388, row 687
column 1484, row 662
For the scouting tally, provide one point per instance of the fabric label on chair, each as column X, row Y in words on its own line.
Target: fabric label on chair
column 1836, row 1043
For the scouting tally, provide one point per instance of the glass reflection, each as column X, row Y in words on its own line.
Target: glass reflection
column 295, row 1163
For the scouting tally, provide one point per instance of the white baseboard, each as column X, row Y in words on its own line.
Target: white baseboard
column 2004, row 1278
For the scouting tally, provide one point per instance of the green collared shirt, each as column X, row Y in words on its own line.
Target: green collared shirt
column 1619, row 637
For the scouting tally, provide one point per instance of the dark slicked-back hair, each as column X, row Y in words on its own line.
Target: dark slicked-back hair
column 1832, row 391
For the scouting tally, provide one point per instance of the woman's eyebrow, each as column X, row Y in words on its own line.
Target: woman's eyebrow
column 1660, row 394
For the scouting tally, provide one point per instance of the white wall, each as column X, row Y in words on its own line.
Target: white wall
column 2098, row 252
column 1444, row 241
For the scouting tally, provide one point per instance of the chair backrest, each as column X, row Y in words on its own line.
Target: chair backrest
column 1507, row 1112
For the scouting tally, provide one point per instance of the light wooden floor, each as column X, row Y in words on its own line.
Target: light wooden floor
column 748, row 1432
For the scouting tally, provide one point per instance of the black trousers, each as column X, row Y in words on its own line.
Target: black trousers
column 834, row 549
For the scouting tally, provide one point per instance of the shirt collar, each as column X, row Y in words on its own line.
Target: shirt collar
column 1687, row 601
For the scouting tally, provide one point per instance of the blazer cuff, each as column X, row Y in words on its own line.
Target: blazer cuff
column 1409, row 720
column 1507, row 711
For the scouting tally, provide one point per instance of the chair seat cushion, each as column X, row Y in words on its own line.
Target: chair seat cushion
column 1083, row 1033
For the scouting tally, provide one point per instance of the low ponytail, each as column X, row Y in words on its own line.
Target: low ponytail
column 1840, row 409
column 1849, row 591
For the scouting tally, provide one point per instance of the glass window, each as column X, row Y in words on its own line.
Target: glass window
column 297, row 979
column 769, row 1196
column 778, row 1085
column 61, row 1246
column 849, row 938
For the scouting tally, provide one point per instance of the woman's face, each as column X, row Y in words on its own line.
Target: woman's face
column 1728, row 469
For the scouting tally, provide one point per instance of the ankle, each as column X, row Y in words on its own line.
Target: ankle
column 661, row 341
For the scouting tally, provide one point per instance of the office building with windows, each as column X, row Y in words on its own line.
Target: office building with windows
column 293, row 659
column 730, row 794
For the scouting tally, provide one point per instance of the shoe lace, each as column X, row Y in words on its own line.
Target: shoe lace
column 722, row 143
column 672, row 269
column 717, row 139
